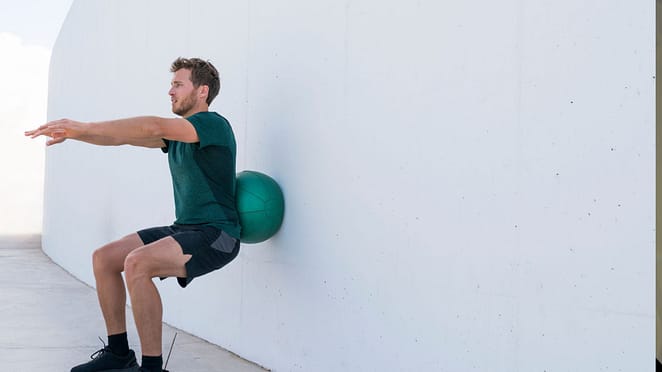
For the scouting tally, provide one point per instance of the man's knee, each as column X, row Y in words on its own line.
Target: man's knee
column 102, row 259
column 110, row 257
column 136, row 267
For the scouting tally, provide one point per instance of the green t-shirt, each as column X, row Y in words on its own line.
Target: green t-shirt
column 204, row 175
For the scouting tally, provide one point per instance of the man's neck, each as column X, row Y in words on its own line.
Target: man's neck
column 195, row 111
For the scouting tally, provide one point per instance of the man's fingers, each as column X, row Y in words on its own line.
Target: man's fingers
column 54, row 129
column 54, row 141
column 48, row 131
column 38, row 133
column 33, row 131
column 49, row 125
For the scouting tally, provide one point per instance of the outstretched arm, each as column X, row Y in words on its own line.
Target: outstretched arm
column 146, row 131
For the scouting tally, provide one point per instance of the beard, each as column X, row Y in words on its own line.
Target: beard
column 185, row 105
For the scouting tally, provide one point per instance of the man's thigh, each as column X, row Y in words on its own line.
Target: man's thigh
column 113, row 254
column 161, row 258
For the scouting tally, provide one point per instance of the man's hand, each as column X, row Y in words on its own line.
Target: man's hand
column 59, row 131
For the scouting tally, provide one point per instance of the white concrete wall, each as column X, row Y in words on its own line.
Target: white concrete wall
column 469, row 185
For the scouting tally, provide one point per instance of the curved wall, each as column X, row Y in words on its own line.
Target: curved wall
column 469, row 186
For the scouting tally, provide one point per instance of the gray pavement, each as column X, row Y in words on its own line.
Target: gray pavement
column 50, row 321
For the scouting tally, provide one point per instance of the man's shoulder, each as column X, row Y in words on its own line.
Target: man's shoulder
column 208, row 116
column 209, row 119
column 212, row 128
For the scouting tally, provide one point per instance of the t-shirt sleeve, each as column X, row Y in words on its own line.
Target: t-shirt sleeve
column 211, row 129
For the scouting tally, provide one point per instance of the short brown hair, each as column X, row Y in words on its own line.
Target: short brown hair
column 202, row 73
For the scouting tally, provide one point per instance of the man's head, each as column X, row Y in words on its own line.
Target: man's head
column 196, row 83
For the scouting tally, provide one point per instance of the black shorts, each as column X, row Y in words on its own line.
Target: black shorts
column 210, row 248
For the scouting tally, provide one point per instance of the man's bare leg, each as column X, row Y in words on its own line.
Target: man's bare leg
column 108, row 263
column 163, row 258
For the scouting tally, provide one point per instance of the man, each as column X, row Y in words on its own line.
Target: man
column 205, row 236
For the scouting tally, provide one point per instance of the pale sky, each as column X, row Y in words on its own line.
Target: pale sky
column 28, row 30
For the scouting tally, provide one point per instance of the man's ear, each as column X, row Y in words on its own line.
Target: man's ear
column 204, row 91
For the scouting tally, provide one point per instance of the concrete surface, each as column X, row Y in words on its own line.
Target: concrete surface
column 50, row 321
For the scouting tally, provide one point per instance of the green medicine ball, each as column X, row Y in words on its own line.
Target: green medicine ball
column 260, row 205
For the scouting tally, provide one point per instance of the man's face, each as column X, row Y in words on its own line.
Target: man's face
column 183, row 96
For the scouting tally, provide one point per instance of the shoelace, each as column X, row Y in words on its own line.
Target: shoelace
column 100, row 352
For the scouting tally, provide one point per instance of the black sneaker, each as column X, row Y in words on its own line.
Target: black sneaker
column 104, row 360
